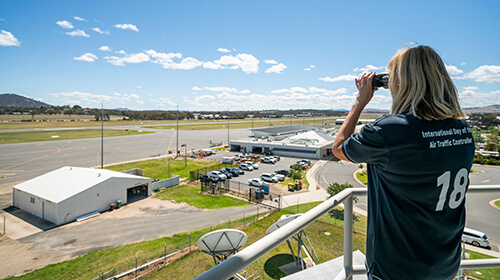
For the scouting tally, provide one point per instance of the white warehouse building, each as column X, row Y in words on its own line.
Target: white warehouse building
column 63, row 195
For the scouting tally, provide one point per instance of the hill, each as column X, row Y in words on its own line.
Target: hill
column 15, row 100
column 495, row 109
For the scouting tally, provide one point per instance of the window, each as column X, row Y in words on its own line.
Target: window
column 32, row 200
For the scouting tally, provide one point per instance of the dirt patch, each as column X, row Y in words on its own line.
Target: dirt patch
column 278, row 188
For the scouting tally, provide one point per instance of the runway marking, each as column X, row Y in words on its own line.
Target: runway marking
column 485, row 181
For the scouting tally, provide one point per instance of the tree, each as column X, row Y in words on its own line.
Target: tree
column 334, row 189
column 296, row 172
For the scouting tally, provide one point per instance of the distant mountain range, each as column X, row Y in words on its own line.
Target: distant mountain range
column 15, row 100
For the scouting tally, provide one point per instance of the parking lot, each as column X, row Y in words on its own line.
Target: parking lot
column 283, row 163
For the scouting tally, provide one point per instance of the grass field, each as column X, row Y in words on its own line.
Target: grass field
column 483, row 274
column 158, row 168
column 51, row 135
column 497, row 203
column 189, row 194
column 362, row 177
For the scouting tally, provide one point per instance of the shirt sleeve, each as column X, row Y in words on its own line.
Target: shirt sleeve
column 368, row 146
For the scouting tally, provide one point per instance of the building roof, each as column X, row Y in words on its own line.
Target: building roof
column 65, row 182
column 283, row 129
column 312, row 138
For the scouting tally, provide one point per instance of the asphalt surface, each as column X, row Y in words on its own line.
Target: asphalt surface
column 21, row 162
column 480, row 214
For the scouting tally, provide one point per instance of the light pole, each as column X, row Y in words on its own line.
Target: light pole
column 228, row 145
column 102, row 135
column 177, row 142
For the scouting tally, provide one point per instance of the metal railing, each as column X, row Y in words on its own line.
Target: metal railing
column 264, row 245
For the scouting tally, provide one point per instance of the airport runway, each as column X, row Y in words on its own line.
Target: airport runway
column 21, row 162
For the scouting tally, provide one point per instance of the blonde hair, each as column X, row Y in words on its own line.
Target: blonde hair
column 421, row 85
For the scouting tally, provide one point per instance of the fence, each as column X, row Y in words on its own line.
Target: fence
column 167, row 183
column 195, row 174
column 250, row 254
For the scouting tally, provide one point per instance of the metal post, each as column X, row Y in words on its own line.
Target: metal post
column 177, row 142
column 165, row 254
column 169, row 168
column 135, row 265
column 102, row 134
column 229, row 223
column 348, row 237
column 190, row 241
column 228, row 127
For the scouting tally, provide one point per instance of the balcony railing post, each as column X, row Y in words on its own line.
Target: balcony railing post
column 348, row 221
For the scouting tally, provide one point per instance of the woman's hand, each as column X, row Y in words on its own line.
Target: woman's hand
column 364, row 85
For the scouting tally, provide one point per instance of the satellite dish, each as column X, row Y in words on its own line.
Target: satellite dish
column 222, row 241
column 282, row 221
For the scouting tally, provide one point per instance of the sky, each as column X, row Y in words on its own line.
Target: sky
column 236, row 55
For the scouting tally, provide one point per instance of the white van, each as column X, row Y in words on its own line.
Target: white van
column 475, row 238
column 227, row 160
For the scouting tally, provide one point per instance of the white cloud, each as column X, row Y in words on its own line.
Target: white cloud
column 223, row 50
column 313, row 66
column 270, row 61
column 8, row 40
column 463, row 63
column 78, row 33
column 126, row 26
column 166, row 60
column 485, row 73
column 307, row 69
column 310, row 68
column 197, row 88
column 79, row 18
column 223, row 89
column 247, row 62
column 367, row 68
column 98, row 30
column 205, row 97
column 88, row 57
column 128, row 58
column 471, row 97
column 211, row 65
column 121, row 52
column 140, row 102
column 85, row 96
column 453, row 70
column 65, row 24
column 105, row 49
column 276, row 68
column 339, row 78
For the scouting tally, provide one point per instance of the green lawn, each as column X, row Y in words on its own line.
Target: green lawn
column 51, row 135
column 158, row 168
column 497, row 203
column 362, row 177
column 190, row 194
column 484, row 274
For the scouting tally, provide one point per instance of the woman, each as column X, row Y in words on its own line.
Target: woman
column 418, row 158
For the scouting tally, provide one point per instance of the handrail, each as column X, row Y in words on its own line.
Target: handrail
column 247, row 256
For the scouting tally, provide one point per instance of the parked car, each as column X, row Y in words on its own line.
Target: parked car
column 211, row 177
column 280, row 177
column 239, row 170
column 208, row 179
column 276, row 157
column 269, row 177
column 255, row 182
column 222, row 176
column 302, row 164
column 254, row 165
column 246, row 166
column 282, row 172
column 265, row 160
column 233, row 171
column 475, row 238
column 225, row 172
column 306, row 161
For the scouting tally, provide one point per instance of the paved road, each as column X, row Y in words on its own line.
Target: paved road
column 21, row 162
column 480, row 214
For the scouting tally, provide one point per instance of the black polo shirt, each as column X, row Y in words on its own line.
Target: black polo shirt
column 418, row 173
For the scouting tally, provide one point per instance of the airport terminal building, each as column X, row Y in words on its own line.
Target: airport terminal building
column 293, row 141
column 63, row 195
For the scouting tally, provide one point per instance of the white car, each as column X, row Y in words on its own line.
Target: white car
column 221, row 175
column 255, row 182
column 254, row 165
column 269, row 177
column 246, row 166
column 475, row 237
column 280, row 177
